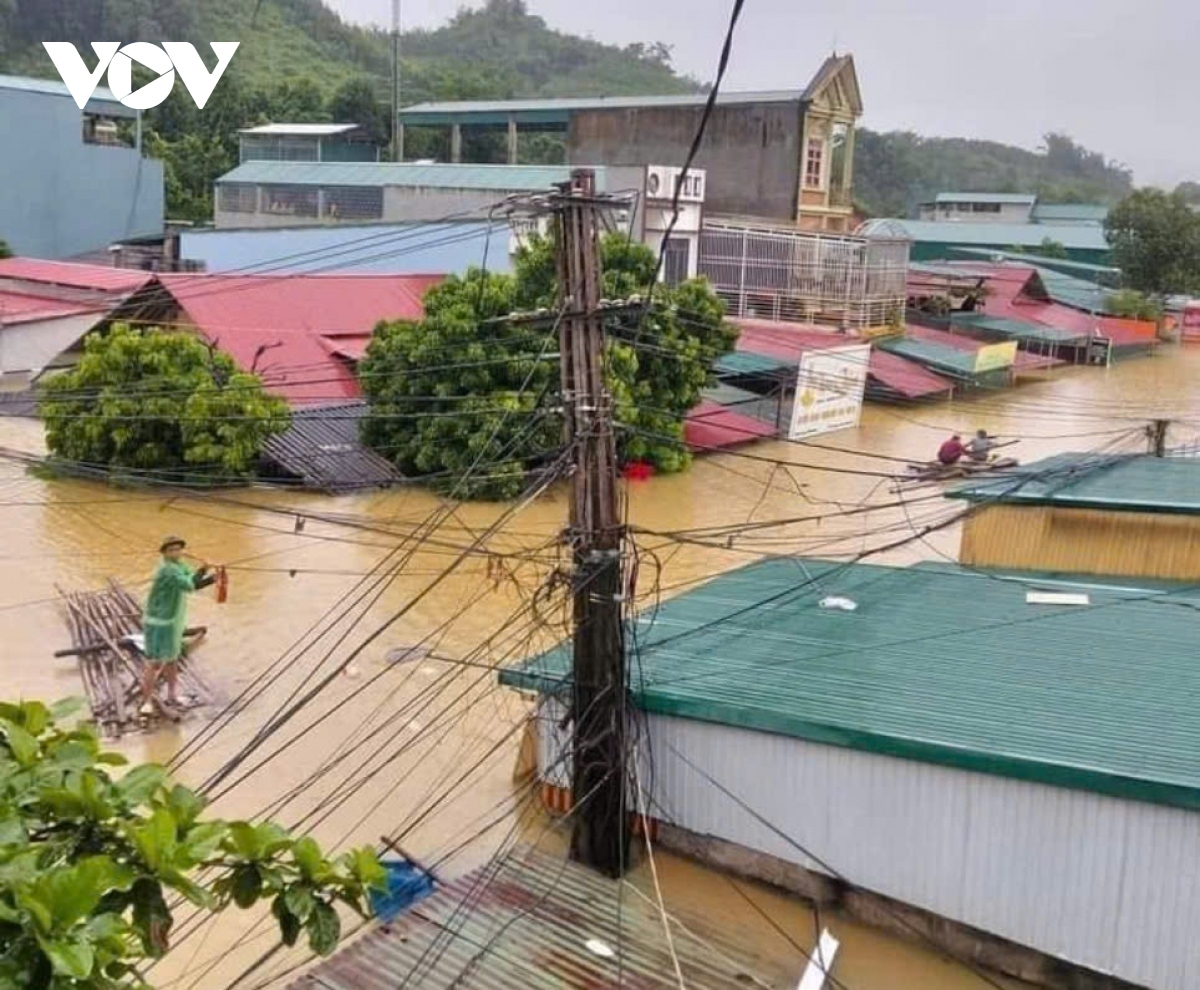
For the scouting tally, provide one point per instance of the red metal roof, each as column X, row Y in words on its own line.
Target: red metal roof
column 787, row 341
column 21, row 307
column 100, row 278
column 711, row 426
column 290, row 321
column 906, row 377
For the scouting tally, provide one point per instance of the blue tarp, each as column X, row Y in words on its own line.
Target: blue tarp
column 407, row 884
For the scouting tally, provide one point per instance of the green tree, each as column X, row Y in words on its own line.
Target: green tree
column 154, row 401
column 355, row 102
column 88, row 862
column 1132, row 305
column 5, row 250
column 1050, row 248
column 469, row 400
column 1155, row 238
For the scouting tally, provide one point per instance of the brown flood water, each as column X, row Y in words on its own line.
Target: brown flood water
column 439, row 768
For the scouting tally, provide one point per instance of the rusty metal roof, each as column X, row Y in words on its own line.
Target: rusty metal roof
column 528, row 926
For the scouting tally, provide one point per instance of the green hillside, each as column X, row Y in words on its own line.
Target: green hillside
column 299, row 60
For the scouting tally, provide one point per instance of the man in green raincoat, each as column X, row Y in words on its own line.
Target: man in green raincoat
column 166, row 619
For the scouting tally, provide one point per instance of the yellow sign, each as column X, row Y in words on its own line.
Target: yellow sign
column 995, row 356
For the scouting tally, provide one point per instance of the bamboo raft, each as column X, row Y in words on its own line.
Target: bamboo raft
column 103, row 627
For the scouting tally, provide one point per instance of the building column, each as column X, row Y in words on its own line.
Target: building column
column 399, row 142
column 456, row 143
column 848, row 168
column 512, row 139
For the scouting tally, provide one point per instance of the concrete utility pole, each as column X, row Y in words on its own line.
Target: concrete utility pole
column 601, row 819
column 397, row 127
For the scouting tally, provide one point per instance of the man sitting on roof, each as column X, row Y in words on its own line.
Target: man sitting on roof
column 980, row 448
column 952, row 451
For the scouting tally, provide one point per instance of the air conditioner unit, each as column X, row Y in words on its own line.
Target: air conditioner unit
column 660, row 181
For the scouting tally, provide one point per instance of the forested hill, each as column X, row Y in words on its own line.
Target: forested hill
column 296, row 55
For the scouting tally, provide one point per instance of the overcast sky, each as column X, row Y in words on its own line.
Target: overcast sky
column 1120, row 76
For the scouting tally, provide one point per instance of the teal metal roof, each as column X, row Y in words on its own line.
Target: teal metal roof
column 728, row 395
column 1000, row 328
column 1138, row 483
column 493, row 178
column 559, row 111
column 1078, row 237
column 1070, row 213
column 750, row 363
column 101, row 101
column 1017, row 199
column 944, row 666
column 1080, row 268
column 946, row 360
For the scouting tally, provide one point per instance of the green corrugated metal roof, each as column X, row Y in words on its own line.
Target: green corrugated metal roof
column 749, row 363
column 950, row 667
column 1138, row 483
column 727, row 395
column 947, row 360
column 1076, row 237
column 1004, row 329
column 1078, row 212
column 559, row 110
column 498, row 178
column 1017, row 199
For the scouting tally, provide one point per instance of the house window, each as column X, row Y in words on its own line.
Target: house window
column 237, row 197
column 814, row 163
column 675, row 260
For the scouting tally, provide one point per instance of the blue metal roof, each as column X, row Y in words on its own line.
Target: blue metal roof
column 944, row 666
column 559, row 111
column 1138, row 483
column 492, row 178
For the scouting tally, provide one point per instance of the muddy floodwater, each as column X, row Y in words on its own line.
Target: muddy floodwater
column 424, row 747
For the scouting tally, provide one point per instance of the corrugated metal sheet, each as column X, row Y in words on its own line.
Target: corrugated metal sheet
column 99, row 278
column 1134, row 483
column 323, row 448
column 1070, row 213
column 947, row 667
column 1023, row 361
column 500, row 178
column 1002, row 328
column 526, row 926
column 1076, row 237
column 1103, row 883
column 711, row 426
column 1016, row 199
column 278, row 323
column 1083, row 541
column 472, row 111
column 102, row 100
column 893, row 377
column 301, row 130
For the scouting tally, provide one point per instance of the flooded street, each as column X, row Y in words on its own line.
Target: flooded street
column 422, row 748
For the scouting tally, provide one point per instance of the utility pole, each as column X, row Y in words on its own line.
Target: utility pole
column 1158, row 437
column 397, row 127
column 600, row 838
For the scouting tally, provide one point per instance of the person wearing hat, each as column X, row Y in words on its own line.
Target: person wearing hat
column 166, row 619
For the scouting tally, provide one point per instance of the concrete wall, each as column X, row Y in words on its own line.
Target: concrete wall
column 950, row 212
column 1101, row 883
column 60, row 197
column 27, row 349
column 752, row 152
column 396, row 249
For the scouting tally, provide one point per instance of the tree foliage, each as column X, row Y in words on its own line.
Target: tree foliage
column 1155, row 238
column 164, row 402
column 89, row 862
column 470, row 400
column 1132, row 305
column 5, row 250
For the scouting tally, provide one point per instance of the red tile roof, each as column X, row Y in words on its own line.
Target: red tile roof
column 907, row 378
column 711, row 426
column 100, row 278
column 290, row 322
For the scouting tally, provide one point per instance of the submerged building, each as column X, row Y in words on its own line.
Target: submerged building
column 1004, row 767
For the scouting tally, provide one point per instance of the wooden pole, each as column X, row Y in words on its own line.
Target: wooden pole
column 600, row 837
column 1158, row 437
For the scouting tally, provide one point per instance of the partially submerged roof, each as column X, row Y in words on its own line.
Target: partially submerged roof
column 890, row 376
column 301, row 130
column 712, row 426
column 938, row 665
column 322, row 447
column 559, row 110
column 493, row 178
column 535, row 921
column 1137, row 483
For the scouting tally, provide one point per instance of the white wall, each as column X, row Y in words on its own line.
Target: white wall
column 1108, row 884
column 29, row 348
